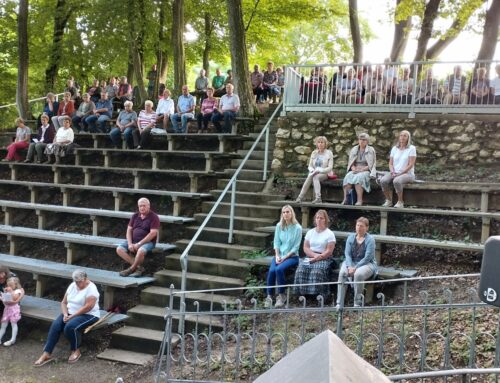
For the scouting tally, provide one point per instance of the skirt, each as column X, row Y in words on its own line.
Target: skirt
column 317, row 272
column 362, row 179
column 11, row 313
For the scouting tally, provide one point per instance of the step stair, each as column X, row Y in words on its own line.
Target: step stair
column 246, row 210
column 197, row 281
column 240, row 223
column 215, row 249
column 239, row 236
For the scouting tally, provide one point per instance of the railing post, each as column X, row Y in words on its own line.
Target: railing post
column 414, row 92
column 231, row 212
column 167, row 336
column 266, row 154
column 184, row 264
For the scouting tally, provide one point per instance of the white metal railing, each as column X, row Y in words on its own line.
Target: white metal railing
column 231, row 184
column 6, row 115
column 411, row 87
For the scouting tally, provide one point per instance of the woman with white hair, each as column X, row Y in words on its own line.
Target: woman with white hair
column 145, row 122
column 402, row 169
column 80, row 309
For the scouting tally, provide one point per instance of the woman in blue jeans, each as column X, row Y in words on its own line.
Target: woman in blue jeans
column 287, row 238
column 80, row 309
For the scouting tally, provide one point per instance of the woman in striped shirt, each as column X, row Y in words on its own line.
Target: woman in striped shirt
column 145, row 122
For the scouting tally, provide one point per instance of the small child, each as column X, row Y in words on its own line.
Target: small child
column 12, row 311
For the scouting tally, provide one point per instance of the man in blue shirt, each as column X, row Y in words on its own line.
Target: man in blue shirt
column 102, row 113
column 184, row 111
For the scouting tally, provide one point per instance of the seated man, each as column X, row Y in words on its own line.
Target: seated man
column 454, row 88
column 428, row 90
column 200, row 87
column 165, row 109
column 184, row 111
column 403, row 88
column 480, row 88
column 229, row 105
column 124, row 91
column 102, row 113
column 218, row 84
column 142, row 234
column 376, row 87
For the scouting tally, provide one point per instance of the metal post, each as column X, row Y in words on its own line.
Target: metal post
column 266, row 153
column 184, row 264
column 167, row 336
column 231, row 212
column 412, row 107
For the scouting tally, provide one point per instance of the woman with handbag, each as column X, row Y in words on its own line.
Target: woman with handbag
column 320, row 168
column 360, row 168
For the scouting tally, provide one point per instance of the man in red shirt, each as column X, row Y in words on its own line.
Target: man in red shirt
column 142, row 233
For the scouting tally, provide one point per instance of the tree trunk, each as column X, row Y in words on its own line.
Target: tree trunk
column 178, row 45
column 490, row 32
column 139, row 76
column 430, row 14
column 61, row 17
column 130, row 63
column 159, row 49
column 22, row 66
column 357, row 44
column 208, row 42
column 401, row 35
column 239, row 57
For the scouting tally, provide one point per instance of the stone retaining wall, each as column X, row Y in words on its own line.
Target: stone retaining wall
column 440, row 140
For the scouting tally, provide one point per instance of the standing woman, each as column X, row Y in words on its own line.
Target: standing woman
column 320, row 164
column 287, row 237
column 22, row 141
column 402, row 169
column 319, row 244
column 80, row 309
column 360, row 167
column 359, row 263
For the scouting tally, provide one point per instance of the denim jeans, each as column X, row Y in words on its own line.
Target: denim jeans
column 100, row 121
column 147, row 247
column 72, row 331
column 184, row 118
column 277, row 272
column 228, row 118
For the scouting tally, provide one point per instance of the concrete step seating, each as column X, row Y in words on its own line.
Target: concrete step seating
column 41, row 270
column 306, row 207
column 118, row 193
column 70, row 240
column 42, row 210
column 195, row 176
column 46, row 310
column 160, row 159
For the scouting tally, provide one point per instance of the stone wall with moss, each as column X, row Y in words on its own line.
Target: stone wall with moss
column 441, row 140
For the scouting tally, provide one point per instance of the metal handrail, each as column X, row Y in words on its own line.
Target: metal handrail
column 29, row 101
column 232, row 184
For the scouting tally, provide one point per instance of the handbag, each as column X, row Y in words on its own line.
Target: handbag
column 331, row 175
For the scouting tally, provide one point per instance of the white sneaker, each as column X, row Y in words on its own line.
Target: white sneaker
column 280, row 301
column 268, row 303
column 399, row 204
column 337, row 306
column 387, row 203
column 356, row 305
column 9, row 343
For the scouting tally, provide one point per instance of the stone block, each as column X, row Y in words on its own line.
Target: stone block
column 279, row 153
column 303, row 149
column 283, row 133
column 453, row 147
column 276, row 164
column 474, row 147
column 296, row 134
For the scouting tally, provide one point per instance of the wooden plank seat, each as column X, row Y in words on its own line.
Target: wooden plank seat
column 225, row 139
column 117, row 192
column 47, row 310
column 69, row 240
column 41, row 269
column 306, row 207
column 158, row 157
column 94, row 214
column 88, row 171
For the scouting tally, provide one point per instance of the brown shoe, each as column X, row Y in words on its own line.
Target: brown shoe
column 126, row 272
column 138, row 272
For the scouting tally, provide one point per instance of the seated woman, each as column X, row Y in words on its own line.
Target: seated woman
column 287, row 237
column 126, row 123
column 359, row 263
column 319, row 244
column 402, row 169
column 145, row 122
column 80, row 309
column 62, row 142
column 360, row 167
column 46, row 133
column 85, row 109
column 50, row 108
column 207, row 110
column 22, row 141
column 320, row 164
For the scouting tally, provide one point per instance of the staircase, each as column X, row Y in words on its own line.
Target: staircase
column 213, row 263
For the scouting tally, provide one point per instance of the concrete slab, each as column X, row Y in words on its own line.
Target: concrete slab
column 129, row 357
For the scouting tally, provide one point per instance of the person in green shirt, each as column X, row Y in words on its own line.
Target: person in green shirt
column 218, row 84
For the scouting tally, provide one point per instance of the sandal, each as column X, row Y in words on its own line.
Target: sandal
column 73, row 359
column 40, row 363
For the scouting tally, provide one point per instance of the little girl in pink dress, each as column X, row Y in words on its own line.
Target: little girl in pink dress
column 12, row 311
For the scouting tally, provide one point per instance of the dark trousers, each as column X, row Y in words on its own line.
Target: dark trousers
column 228, row 118
column 72, row 331
column 203, row 119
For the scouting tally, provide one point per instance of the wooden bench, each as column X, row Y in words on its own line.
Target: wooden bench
column 306, row 207
column 69, row 240
column 194, row 175
column 47, row 310
column 117, row 192
column 94, row 214
column 156, row 156
column 41, row 269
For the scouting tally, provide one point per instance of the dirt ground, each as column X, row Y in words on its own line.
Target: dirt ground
column 16, row 364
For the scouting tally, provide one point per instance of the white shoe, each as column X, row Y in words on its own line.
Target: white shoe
column 268, row 303
column 9, row 343
column 280, row 301
column 399, row 204
column 317, row 200
column 387, row 203
column 356, row 305
column 337, row 306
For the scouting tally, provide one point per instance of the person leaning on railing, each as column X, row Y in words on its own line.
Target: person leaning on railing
column 22, row 141
column 320, row 165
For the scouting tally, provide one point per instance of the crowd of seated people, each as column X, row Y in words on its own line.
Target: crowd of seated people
column 391, row 84
column 267, row 85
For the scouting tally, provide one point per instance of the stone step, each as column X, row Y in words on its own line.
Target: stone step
column 137, row 339
column 248, row 175
column 160, row 296
column 244, row 210
column 240, row 223
column 239, row 236
column 207, row 265
column 129, row 357
column 196, row 281
column 153, row 317
column 214, row 249
column 256, row 154
column 242, row 185
column 260, row 146
column 249, row 197
column 251, row 164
